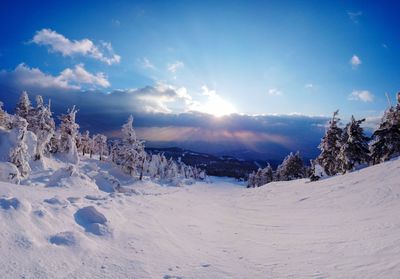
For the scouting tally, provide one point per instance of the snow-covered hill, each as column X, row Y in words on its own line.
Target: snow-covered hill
column 70, row 224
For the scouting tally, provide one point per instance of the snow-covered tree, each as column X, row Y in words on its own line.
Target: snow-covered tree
column 68, row 132
column 53, row 145
column 171, row 171
column 251, row 180
column 153, row 165
column 86, row 144
column 354, row 148
column 19, row 154
column 386, row 139
column 42, row 124
column 23, row 106
column 330, row 147
column 267, row 175
column 5, row 118
column 132, row 149
column 261, row 177
column 100, row 145
column 291, row 168
column 114, row 152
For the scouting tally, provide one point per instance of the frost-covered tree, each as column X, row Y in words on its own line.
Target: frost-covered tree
column 330, row 147
column 100, row 145
column 2, row 115
column 23, row 106
column 132, row 149
column 85, row 142
column 5, row 119
column 354, row 148
column 68, row 132
column 261, row 177
column 267, row 175
column 19, row 154
column 153, row 165
column 114, row 152
column 42, row 124
column 251, row 180
column 53, row 145
column 291, row 168
column 171, row 171
column 386, row 139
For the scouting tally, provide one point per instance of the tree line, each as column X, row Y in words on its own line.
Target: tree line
column 342, row 150
column 127, row 152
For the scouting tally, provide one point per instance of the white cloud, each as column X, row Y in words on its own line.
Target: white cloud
column 25, row 77
column 58, row 43
column 79, row 76
column 355, row 61
column 146, row 64
column 173, row 67
column 362, row 95
column 274, row 92
column 354, row 16
column 207, row 92
column 309, row 86
column 163, row 98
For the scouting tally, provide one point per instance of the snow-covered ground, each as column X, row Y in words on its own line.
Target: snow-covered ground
column 75, row 226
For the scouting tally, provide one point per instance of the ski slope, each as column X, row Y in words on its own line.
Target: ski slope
column 62, row 226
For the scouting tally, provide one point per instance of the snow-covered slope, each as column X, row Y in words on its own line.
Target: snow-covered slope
column 344, row 227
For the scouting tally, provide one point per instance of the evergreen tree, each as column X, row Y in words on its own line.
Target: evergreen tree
column 68, row 132
column 42, row 124
column 386, row 139
column 132, row 149
column 19, row 154
column 251, row 181
column 23, row 106
column 53, row 145
column 5, row 118
column 354, row 147
column 261, row 177
column 100, row 145
column 171, row 171
column 291, row 168
column 330, row 147
column 115, row 147
column 267, row 174
column 84, row 143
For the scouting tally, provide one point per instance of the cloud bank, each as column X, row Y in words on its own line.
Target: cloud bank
column 33, row 78
column 162, row 117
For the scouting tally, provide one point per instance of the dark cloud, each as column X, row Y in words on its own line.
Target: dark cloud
column 259, row 137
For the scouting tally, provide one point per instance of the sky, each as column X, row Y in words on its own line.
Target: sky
column 265, row 61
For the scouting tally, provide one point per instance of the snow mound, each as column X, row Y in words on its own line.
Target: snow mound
column 63, row 238
column 9, row 173
column 92, row 220
column 10, row 203
column 56, row 201
column 69, row 177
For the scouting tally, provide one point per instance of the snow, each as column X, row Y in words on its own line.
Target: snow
column 342, row 227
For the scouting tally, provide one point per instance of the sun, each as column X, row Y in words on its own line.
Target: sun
column 218, row 107
column 215, row 104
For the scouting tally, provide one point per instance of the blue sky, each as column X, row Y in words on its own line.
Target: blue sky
column 217, row 57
